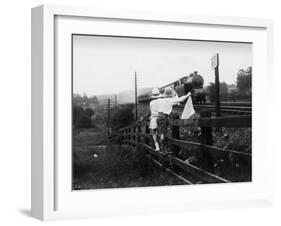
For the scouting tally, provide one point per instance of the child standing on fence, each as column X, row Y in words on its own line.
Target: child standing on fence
column 165, row 110
column 154, row 108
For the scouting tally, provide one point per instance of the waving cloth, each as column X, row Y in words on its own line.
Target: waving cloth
column 188, row 110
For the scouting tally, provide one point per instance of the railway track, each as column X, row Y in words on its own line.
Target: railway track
column 237, row 104
column 226, row 108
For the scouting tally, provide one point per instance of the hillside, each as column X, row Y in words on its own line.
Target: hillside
column 123, row 97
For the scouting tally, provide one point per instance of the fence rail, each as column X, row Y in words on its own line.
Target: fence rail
column 243, row 121
column 217, row 150
column 137, row 135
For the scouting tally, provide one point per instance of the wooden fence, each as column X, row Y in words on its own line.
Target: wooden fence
column 138, row 135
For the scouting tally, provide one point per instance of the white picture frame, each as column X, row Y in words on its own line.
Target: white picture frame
column 52, row 197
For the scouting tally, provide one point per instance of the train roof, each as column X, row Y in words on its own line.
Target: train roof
column 173, row 82
column 147, row 93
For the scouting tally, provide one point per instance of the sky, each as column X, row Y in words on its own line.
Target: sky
column 106, row 65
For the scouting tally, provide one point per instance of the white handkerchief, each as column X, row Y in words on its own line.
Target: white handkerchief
column 188, row 110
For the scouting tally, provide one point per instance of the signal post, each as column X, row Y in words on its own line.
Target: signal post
column 215, row 66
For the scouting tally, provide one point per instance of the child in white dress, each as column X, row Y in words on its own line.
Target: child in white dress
column 154, row 108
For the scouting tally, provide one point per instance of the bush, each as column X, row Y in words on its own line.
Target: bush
column 122, row 116
column 81, row 117
column 84, row 122
column 89, row 112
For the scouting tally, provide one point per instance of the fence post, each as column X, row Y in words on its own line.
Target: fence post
column 206, row 138
column 142, row 137
column 127, row 137
column 130, row 136
column 134, row 136
column 139, row 133
column 137, row 136
column 120, row 136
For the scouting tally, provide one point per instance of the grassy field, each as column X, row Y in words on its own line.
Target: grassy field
column 97, row 165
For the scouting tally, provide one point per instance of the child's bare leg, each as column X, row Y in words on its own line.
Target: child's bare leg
column 162, row 138
column 154, row 135
column 162, row 142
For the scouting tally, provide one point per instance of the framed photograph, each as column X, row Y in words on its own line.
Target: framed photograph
column 137, row 112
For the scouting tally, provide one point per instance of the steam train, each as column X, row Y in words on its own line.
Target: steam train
column 192, row 83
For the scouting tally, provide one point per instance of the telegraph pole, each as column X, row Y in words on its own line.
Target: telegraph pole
column 110, row 106
column 136, row 96
column 215, row 66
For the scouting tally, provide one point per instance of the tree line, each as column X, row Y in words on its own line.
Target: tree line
column 87, row 112
column 242, row 90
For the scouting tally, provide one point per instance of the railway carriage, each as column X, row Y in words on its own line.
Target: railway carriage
column 192, row 83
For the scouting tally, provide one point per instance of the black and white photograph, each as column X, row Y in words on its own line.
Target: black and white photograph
column 159, row 112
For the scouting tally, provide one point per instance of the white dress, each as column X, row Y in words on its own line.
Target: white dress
column 154, row 107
